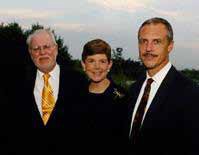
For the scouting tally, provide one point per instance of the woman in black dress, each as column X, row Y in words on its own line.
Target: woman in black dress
column 106, row 106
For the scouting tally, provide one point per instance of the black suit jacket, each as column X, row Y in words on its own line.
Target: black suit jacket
column 65, row 123
column 170, row 123
column 4, row 120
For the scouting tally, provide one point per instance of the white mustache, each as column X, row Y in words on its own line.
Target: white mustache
column 44, row 57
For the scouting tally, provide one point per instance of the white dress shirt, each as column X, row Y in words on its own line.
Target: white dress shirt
column 39, row 84
column 158, row 78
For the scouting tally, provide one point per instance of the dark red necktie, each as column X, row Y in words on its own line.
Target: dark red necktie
column 140, row 111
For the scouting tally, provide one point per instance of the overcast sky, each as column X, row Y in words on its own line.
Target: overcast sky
column 115, row 21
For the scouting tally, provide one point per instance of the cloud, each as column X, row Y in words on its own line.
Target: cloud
column 26, row 13
column 86, row 28
column 121, row 5
column 70, row 26
column 189, row 45
column 169, row 13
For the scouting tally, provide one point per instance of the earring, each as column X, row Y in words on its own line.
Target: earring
column 108, row 70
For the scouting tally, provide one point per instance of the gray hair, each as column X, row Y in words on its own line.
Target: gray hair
column 38, row 31
column 157, row 20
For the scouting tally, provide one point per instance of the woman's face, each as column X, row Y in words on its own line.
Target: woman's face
column 97, row 67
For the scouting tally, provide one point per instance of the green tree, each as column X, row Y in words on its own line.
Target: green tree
column 124, row 72
column 192, row 74
column 13, row 55
column 118, row 60
column 12, row 44
column 63, row 57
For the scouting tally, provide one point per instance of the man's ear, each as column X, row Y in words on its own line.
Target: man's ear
column 170, row 47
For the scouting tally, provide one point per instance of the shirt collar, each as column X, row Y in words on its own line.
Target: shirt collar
column 53, row 73
column 159, row 76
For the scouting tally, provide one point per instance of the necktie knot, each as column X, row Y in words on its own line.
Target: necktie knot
column 149, row 81
column 46, row 77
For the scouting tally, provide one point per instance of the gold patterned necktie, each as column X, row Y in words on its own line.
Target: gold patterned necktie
column 48, row 101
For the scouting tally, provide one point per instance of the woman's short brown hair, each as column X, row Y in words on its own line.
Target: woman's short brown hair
column 96, row 46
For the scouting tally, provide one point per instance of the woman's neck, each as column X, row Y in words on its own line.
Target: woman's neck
column 99, row 87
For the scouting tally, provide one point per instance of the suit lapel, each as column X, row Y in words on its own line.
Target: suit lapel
column 35, row 115
column 161, row 96
column 135, row 90
column 59, row 101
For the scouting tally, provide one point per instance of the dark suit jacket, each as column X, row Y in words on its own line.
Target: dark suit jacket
column 65, row 123
column 4, row 121
column 170, row 123
column 69, row 90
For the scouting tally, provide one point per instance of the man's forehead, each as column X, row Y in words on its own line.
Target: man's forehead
column 41, row 37
column 154, row 31
column 157, row 27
